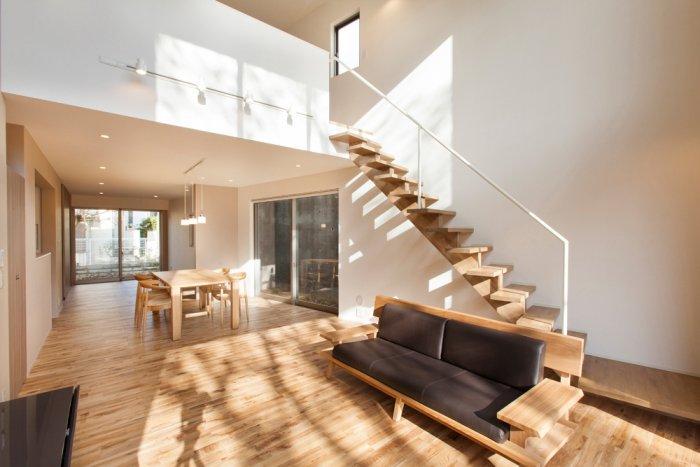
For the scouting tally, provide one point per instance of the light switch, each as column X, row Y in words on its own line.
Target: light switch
column 2, row 258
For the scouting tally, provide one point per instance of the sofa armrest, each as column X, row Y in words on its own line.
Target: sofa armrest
column 342, row 335
column 540, row 408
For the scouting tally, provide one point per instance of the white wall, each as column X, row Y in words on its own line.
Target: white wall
column 43, row 273
column 201, row 40
column 4, row 307
column 380, row 252
column 587, row 112
column 180, row 253
column 215, row 241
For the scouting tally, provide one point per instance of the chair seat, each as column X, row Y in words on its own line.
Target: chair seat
column 158, row 300
column 463, row 396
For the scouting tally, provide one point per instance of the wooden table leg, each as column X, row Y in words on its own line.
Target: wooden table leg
column 176, row 312
column 235, row 306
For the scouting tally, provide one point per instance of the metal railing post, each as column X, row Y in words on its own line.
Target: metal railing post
column 420, row 173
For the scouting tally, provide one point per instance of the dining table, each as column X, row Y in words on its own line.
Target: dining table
column 188, row 278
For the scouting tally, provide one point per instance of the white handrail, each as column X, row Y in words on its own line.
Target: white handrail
column 508, row 196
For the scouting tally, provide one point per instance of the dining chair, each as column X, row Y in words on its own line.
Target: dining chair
column 222, row 293
column 152, row 297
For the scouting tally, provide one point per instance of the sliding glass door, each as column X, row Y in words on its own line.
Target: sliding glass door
column 96, row 247
column 140, row 242
column 296, row 250
column 273, row 248
column 112, row 244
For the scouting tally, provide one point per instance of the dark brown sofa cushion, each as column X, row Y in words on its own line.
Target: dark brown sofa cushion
column 473, row 401
column 412, row 329
column 412, row 373
column 362, row 355
column 510, row 359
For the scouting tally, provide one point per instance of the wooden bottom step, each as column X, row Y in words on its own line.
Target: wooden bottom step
column 545, row 448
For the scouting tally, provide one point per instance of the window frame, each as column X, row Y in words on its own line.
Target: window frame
column 337, row 27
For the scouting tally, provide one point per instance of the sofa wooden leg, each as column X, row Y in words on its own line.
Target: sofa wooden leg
column 329, row 369
column 518, row 436
column 398, row 409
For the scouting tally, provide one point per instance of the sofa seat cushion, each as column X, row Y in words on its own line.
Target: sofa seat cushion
column 361, row 355
column 473, row 401
column 412, row 373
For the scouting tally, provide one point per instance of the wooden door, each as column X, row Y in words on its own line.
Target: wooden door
column 65, row 240
column 17, row 282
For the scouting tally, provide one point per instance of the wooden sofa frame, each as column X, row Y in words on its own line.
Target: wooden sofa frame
column 539, row 419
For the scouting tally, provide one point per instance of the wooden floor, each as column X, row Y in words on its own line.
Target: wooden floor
column 662, row 391
column 258, row 395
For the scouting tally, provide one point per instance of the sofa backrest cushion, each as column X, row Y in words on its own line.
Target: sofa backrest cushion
column 512, row 359
column 412, row 329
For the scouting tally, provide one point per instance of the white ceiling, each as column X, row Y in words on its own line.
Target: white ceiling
column 278, row 13
column 145, row 158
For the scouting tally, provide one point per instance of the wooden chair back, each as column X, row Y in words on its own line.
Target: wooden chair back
column 563, row 354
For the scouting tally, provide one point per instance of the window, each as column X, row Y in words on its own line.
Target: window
column 347, row 43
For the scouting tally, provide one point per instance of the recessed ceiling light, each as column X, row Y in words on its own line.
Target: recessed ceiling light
column 102, row 183
column 101, row 193
column 102, row 167
column 298, row 165
column 104, row 136
column 155, row 196
column 201, row 178
column 230, row 180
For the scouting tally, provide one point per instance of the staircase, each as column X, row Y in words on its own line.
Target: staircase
column 509, row 301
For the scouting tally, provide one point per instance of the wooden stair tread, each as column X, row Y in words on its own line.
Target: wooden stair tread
column 506, row 268
column 364, row 149
column 431, row 212
column 470, row 249
column 513, row 293
column 352, row 138
column 546, row 314
column 379, row 164
column 393, row 178
column 534, row 324
column 485, row 271
column 448, row 230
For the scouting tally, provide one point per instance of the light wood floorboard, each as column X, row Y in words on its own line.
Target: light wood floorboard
column 258, row 395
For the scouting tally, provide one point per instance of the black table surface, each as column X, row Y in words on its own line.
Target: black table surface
column 33, row 429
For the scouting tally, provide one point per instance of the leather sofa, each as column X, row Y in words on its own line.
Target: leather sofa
column 481, row 377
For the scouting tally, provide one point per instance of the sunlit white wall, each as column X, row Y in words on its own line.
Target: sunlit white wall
column 50, row 51
column 585, row 111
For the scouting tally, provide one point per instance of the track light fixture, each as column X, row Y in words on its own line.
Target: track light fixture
column 140, row 67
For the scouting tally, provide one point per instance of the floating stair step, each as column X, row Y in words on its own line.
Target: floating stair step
column 485, row 271
column 543, row 314
column 431, row 212
column 534, row 324
column 364, row 149
column 373, row 156
column 394, row 178
column 380, row 164
column 450, row 230
column 413, row 195
column 470, row 249
column 513, row 293
column 352, row 138
column 506, row 268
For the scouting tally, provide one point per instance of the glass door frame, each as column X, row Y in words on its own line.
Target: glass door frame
column 294, row 299
column 120, row 242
